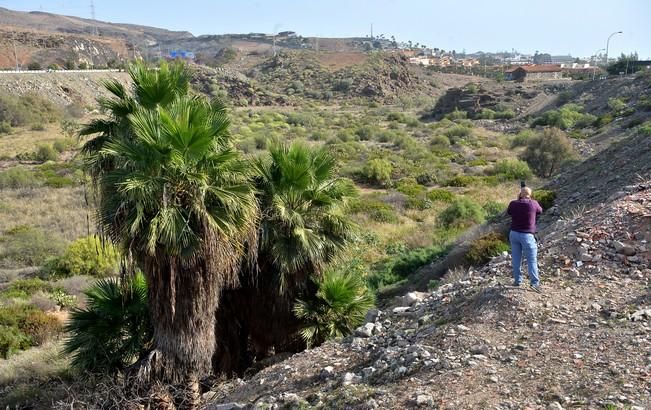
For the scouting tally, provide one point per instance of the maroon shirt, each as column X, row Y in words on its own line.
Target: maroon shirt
column 523, row 215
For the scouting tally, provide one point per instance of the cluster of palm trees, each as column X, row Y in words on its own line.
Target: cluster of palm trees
column 227, row 244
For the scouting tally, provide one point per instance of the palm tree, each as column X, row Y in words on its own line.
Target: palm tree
column 175, row 197
column 113, row 330
column 303, row 227
column 339, row 307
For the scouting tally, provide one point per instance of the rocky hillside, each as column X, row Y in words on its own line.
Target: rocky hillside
column 291, row 77
column 42, row 49
column 477, row 342
column 62, row 88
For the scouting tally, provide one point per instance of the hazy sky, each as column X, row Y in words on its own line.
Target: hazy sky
column 556, row 26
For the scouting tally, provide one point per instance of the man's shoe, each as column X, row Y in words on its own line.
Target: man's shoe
column 516, row 284
column 536, row 288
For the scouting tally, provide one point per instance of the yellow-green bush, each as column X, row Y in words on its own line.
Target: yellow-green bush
column 511, row 169
column 462, row 213
column 441, row 195
column 378, row 170
column 87, row 256
column 544, row 197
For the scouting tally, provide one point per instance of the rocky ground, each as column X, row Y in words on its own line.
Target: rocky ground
column 477, row 342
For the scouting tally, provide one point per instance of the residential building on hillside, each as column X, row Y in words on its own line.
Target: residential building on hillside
column 518, row 59
column 422, row 60
column 535, row 72
column 568, row 59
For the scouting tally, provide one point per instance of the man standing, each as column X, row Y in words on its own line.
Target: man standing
column 523, row 213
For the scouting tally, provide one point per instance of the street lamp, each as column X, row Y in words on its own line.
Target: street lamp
column 596, row 54
column 594, row 69
column 608, row 43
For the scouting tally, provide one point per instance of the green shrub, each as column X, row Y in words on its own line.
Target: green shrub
column 46, row 153
column 544, row 197
column 546, row 152
column 378, row 171
column 462, row 181
column 458, row 131
column 505, row 115
column 616, row 104
column 567, row 117
column 486, row 114
column 521, row 139
column 31, row 247
column 87, row 256
column 645, row 129
column 12, row 340
column 375, row 209
column 461, row 213
column 403, row 265
column 456, row 115
column 493, row 209
column 23, row 288
column 512, row 169
column 37, row 127
column 340, row 305
column 603, row 120
column 410, row 187
column 27, row 320
column 5, row 127
column 114, row 329
column 440, row 141
column 18, row 177
column 484, row 248
column 440, row 195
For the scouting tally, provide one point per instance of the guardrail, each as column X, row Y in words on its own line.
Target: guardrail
column 112, row 70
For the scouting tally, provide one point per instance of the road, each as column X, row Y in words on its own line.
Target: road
column 27, row 72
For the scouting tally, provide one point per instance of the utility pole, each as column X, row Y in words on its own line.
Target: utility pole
column 371, row 31
column 13, row 40
column 92, row 14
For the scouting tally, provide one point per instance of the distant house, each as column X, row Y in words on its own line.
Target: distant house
column 422, row 60
column 181, row 54
column 519, row 59
column 535, row 72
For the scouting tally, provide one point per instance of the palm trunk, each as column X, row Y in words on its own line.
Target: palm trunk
column 183, row 298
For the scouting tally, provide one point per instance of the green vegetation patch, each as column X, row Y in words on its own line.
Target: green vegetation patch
column 484, row 248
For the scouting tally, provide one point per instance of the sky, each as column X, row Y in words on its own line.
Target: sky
column 558, row 27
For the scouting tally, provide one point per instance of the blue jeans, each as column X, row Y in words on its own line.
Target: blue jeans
column 524, row 244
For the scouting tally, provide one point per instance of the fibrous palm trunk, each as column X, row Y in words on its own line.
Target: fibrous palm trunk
column 183, row 298
column 256, row 320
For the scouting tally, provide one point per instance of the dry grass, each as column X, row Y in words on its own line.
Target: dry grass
column 25, row 140
column 36, row 364
column 54, row 210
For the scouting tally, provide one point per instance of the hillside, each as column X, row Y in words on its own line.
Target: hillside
column 48, row 38
column 477, row 342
